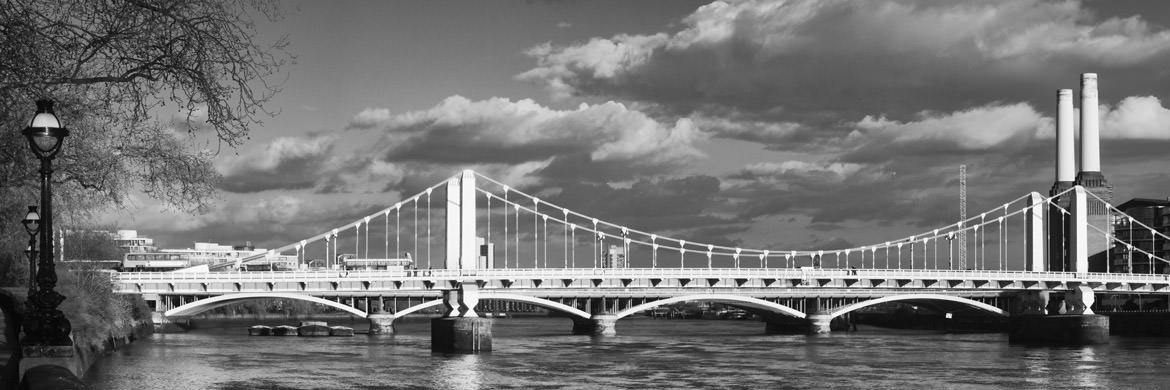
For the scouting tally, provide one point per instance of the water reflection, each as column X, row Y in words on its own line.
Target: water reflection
column 1086, row 372
column 458, row 372
column 539, row 353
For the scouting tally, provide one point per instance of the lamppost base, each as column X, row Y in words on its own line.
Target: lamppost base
column 46, row 351
column 50, row 355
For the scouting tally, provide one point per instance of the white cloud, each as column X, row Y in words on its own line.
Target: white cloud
column 746, row 129
column 834, row 170
column 498, row 130
column 978, row 128
column 1136, row 117
column 369, row 117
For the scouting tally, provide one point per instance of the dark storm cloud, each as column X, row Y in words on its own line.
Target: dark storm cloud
column 818, row 61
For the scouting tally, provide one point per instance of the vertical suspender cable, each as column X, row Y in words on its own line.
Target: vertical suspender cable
column 505, row 227
column 429, row 264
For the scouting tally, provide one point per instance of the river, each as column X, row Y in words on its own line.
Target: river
column 539, row 353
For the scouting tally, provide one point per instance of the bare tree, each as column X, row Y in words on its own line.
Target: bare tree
column 91, row 245
column 150, row 89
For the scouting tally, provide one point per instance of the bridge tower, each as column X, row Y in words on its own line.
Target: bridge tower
column 462, row 247
column 460, row 329
column 963, row 215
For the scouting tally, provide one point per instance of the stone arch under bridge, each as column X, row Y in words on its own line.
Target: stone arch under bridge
column 917, row 297
column 738, row 300
column 203, row 305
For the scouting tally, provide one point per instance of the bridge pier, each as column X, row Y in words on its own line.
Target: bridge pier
column 461, row 334
column 598, row 325
column 819, row 323
column 1078, row 326
column 381, row 323
column 460, row 330
column 173, row 324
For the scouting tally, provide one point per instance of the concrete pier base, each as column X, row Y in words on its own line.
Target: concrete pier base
column 819, row 324
column 598, row 325
column 164, row 324
column 1060, row 329
column 813, row 324
column 461, row 335
column 381, row 323
column 782, row 324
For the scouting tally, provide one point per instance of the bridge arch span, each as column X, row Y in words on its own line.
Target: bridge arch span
column 418, row 307
column 202, row 305
column 754, row 303
column 919, row 297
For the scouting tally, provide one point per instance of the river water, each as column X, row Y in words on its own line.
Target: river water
column 539, row 353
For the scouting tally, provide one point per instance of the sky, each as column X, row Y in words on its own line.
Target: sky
column 765, row 124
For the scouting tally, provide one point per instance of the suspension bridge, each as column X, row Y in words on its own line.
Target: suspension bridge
column 472, row 240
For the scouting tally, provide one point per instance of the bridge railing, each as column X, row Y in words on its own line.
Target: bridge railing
column 641, row 273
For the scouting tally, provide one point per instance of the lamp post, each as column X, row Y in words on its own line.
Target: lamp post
column 45, row 326
column 32, row 223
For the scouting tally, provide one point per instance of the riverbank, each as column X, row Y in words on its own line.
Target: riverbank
column 86, row 352
column 1139, row 323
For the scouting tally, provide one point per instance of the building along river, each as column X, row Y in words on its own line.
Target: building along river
column 646, row 353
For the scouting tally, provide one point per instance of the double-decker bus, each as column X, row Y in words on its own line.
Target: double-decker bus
column 155, row 262
column 351, row 262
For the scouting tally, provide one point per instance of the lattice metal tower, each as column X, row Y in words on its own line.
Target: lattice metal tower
column 963, row 216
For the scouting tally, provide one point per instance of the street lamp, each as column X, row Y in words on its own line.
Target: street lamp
column 45, row 325
column 32, row 223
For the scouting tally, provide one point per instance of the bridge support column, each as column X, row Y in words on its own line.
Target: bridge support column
column 1033, row 303
column 461, row 334
column 460, row 330
column 1034, row 236
column 598, row 325
column 1079, row 326
column 381, row 323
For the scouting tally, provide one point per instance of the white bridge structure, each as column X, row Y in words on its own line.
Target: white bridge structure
column 474, row 240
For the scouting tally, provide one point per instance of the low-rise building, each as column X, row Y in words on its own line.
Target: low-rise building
column 128, row 241
column 1128, row 228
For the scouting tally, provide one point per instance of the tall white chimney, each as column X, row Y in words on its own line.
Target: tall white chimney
column 1090, row 125
column 1065, row 149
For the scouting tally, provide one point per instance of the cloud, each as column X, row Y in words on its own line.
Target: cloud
column 1136, row 117
column 462, row 132
column 283, row 163
column 801, row 170
column 732, row 126
column 563, row 24
column 688, row 207
column 369, row 118
column 985, row 129
column 358, row 175
column 817, row 60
